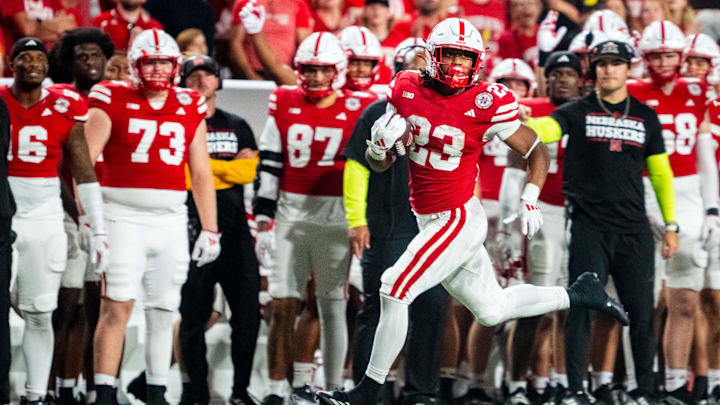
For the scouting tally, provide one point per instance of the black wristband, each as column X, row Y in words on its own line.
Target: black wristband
column 711, row 211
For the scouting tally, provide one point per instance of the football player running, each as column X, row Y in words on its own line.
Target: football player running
column 45, row 125
column 147, row 131
column 300, row 185
column 84, row 52
column 680, row 105
column 443, row 168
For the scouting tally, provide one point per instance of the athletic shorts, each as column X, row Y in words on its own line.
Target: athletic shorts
column 303, row 248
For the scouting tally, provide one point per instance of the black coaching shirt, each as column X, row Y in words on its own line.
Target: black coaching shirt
column 605, row 160
column 228, row 134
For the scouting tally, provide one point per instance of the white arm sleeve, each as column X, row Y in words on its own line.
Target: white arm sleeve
column 708, row 170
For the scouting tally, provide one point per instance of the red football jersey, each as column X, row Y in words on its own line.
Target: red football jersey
column 38, row 132
column 680, row 114
column 148, row 148
column 552, row 190
column 714, row 113
column 312, row 138
column 115, row 25
column 448, row 133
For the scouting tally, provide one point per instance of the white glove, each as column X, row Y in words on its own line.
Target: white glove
column 207, row 247
column 387, row 130
column 100, row 253
column 529, row 212
column 265, row 248
column 549, row 35
column 253, row 17
column 710, row 235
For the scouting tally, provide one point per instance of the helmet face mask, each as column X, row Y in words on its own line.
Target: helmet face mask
column 157, row 73
column 456, row 53
column 317, row 80
column 362, row 73
column 149, row 48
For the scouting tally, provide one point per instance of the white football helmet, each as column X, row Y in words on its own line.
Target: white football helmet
column 455, row 33
column 512, row 68
column 407, row 50
column 153, row 44
column 608, row 22
column 360, row 43
column 701, row 46
column 321, row 49
column 662, row 37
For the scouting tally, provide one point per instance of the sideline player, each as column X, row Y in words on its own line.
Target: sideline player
column 300, row 184
column 146, row 132
column 45, row 123
column 84, row 52
column 547, row 252
column 680, row 104
column 449, row 248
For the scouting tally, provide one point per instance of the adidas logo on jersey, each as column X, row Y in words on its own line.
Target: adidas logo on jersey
column 294, row 110
column 132, row 106
column 690, row 103
column 470, row 113
column 180, row 111
column 652, row 103
column 341, row 116
column 46, row 112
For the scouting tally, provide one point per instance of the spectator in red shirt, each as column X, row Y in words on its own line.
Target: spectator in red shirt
column 488, row 16
column 44, row 19
column 124, row 22
column 428, row 14
column 520, row 41
column 328, row 15
column 287, row 24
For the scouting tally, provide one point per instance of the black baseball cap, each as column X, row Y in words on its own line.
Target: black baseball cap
column 563, row 59
column 199, row 62
column 615, row 50
column 27, row 44
column 385, row 3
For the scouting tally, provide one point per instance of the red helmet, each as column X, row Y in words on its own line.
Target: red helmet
column 148, row 45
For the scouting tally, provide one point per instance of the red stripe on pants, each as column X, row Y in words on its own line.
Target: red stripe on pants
column 434, row 255
column 421, row 252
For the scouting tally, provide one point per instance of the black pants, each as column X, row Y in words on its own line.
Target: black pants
column 236, row 269
column 427, row 315
column 5, row 261
column 629, row 258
